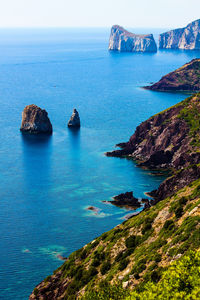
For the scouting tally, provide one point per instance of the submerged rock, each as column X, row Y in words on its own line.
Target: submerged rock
column 182, row 38
column 35, row 120
column 125, row 41
column 74, row 120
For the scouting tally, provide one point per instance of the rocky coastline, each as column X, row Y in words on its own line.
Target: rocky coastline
column 185, row 78
column 158, row 235
column 167, row 141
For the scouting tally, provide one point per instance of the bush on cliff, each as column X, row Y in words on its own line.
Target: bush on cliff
column 180, row 281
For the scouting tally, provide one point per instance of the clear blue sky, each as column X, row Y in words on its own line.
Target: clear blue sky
column 98, row 13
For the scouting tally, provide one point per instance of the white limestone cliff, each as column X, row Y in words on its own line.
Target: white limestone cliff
column 187, row 38
column 125, row 41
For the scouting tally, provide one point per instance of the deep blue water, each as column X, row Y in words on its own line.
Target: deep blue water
column 47, row 183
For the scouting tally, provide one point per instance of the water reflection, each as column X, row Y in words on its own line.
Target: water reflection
column 36, row 150
column 74, row 138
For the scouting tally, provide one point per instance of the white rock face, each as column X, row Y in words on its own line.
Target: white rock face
column 125, row 41
column 187, row 38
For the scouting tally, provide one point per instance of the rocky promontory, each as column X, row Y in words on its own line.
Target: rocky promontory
column 35, row 120
column 186, row 78
column 187, row 38
column 74, row 121
column 125, row 41
column 168, row 141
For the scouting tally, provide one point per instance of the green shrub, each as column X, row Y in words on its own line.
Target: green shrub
column 105, row 267
column 179, row 212
column 169, row 224
column 182, row 201
column 96, row 262
column 123, row 264
column 130, row 241
column 83, row 254
column 146, row 227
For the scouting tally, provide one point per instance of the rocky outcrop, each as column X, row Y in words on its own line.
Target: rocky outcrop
column 35, row 120
column 187, row 38
column 125, row 41
column 126, row 199
column 175, row 183
column 74, row 121
column 186, row 78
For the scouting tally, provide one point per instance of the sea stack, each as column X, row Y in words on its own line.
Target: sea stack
column 125, row 41
column 74, row 121
column 187, row 38
column 35, row 120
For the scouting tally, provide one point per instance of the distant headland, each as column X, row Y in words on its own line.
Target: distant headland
column 125, row 41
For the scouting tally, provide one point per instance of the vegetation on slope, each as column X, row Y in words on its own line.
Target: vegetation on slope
column 134, row 253
column 180, row 281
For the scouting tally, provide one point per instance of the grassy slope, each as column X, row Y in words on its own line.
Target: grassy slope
column 138, row 250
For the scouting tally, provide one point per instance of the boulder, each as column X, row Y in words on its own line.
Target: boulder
column 126, row 199
column 35, row 120
column 125, row 41
column 74, row 120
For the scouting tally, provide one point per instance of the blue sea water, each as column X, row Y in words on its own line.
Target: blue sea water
column 46, row 184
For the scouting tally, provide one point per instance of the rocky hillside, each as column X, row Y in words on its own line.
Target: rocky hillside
column 183, row 38
column 134, row 254
column 125, row 41
column 186, row 78
column 168, row 140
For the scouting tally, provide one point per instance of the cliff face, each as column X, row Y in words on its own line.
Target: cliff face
column 35, row 120
column 124, row 41
column 168, row 140
column 187, row 38
column 186, row 78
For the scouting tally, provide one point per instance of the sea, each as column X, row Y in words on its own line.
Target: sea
column 47, row 183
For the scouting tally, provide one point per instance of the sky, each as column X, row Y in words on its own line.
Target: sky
column 98, row 13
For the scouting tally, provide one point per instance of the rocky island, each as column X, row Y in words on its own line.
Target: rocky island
column 125, row 41
column 74, row 121
column 187, row 38
column 186, row 78
column 35, row 120
column 154, row 254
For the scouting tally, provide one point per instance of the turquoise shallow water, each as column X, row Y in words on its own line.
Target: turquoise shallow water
column 47, row 183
